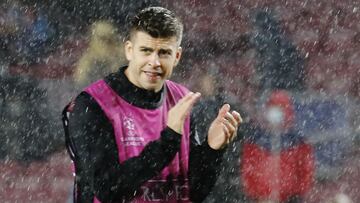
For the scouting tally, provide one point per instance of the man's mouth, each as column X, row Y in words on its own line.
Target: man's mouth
column 152, row 74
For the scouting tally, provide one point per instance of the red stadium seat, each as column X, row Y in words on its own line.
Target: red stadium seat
column 339, row 40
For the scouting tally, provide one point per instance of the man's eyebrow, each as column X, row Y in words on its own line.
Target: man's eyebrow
column 151, row 49
column 146, row 48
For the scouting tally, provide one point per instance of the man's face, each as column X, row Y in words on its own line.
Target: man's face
column 151, row 60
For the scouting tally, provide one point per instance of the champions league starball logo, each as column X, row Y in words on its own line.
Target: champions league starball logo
column 131, row 138
column 129, row 123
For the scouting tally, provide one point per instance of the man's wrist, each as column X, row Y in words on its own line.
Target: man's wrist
column 176, row 130
column 169, row 137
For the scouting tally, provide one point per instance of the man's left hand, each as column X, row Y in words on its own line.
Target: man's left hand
column 223, row 129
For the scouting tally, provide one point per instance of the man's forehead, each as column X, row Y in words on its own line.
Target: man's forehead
column 144, row 39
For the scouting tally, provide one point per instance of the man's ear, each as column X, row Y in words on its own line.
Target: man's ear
column 128, row 50
column 178, row 55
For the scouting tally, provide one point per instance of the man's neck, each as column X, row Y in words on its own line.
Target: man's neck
column 133, row 94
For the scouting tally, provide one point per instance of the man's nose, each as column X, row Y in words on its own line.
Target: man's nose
column 155, row 60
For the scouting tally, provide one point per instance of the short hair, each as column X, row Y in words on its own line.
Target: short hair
column 158, row 22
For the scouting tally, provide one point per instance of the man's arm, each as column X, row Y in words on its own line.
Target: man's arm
column 98, row 171
column 204, row 164
column 206, row 152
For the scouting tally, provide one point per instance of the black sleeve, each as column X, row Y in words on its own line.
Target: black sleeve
column 204, row 164
column 98, row 171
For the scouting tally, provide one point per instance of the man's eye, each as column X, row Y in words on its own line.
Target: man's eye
column 146, row 50
column 164, row 53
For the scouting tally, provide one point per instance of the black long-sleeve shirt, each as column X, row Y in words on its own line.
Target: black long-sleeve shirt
column 98, row 172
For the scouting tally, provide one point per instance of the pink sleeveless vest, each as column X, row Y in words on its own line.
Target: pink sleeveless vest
column 134, row 127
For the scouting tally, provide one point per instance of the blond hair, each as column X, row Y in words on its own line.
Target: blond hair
column 105, row 54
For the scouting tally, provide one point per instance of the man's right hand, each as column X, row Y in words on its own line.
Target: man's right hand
column 178, row 114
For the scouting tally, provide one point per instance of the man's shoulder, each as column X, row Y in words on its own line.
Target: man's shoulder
column 96, row 84
column 84, row 100
column 174, row 86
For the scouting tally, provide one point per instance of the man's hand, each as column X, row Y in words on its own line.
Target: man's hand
column 223, row 129
column 178, row 114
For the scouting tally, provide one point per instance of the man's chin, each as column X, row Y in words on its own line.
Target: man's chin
column 153, row 87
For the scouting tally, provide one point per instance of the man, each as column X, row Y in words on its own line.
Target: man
column 130, row 134
column 104, row 54
column 277, row 161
